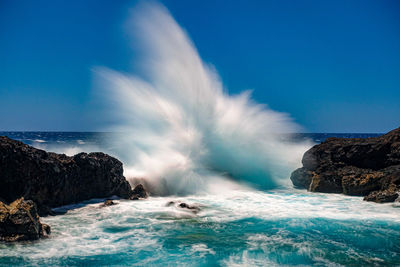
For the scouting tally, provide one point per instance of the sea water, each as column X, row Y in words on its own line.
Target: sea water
column 182, row 133
column 241, row 227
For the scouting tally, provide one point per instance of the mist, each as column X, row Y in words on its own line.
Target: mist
column 178, row 130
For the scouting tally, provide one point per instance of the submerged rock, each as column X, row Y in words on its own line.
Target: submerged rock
column 192, row 208
column 108, row 202
column 183, row 205
column 20, row 221
column 170, row 203
column 354, row 166
column 53, row 180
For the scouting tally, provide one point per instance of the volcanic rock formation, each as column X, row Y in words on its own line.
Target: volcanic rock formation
column 20, row 221
column 367, row 167
column 53, row 180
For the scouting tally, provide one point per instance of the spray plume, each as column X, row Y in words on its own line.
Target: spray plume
column 180, row 132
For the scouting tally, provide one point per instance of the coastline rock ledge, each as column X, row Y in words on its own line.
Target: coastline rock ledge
column 19, row 221
column 367, row 167
column 53, row 180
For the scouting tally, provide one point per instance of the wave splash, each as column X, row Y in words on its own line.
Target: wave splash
column 182, row 132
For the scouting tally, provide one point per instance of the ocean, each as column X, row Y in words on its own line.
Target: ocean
column 244, row 226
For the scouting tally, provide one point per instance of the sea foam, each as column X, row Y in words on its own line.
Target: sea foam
column 182, row 132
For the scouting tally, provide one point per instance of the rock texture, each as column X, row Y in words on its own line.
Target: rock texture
column 138, row 192
column 354, row 166
column 53, row 180
column 20, row 221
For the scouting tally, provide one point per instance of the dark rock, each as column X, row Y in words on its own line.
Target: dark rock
column 170, row 203
column 183, row 205
column 382, row 196
column 53, row 180
column 20, row 221
column 192, row 208
column 353, row 166
column 108, row 202
column 138, row 192
column 301, row 178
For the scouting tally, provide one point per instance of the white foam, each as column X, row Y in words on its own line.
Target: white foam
column 181, row 127
column 130, row 225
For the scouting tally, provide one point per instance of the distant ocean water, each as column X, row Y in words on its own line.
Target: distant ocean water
column 76, row 138
column 246, row 227
column 71, row 142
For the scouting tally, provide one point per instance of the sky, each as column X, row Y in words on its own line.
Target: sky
column 334, row 66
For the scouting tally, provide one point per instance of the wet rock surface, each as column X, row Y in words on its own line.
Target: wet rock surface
column 367, row 167
column 52, row 180
column 182, row 205
column 108, row 203
column 19, row 221
column 138, row 192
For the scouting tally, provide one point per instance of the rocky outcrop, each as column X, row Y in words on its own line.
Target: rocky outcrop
column 20, row 221
column 367, row 167
column 53, row 180
column 138, row 192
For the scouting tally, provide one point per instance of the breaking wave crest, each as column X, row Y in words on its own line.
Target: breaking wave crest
column 181, row 132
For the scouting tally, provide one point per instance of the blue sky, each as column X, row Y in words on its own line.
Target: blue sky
column 333, row 65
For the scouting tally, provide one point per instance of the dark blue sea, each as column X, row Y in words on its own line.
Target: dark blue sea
column 243, row 226
column 96, row 138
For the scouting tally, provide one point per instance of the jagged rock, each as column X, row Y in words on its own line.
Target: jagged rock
column 138, row 192
column 20, row 221
column 53, row 180
column 382, row 196
column 353, row 166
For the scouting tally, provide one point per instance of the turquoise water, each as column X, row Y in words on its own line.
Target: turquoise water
column 281, row 227
column 235, row 227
